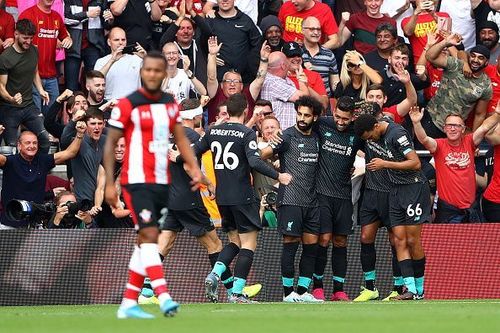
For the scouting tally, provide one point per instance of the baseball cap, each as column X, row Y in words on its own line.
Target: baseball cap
column 292, row 49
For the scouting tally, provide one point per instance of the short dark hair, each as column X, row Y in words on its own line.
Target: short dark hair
column 346, row 104
column 155, row 55
column 25, row 27
column 190, row 103
column 401, row 48
column 236, row 105
column 309, row 102
column 57, row 199
column 71, row 100
column 364, row 123
column 387, row 27
column 264, row 102
column 376, row 86
column 217, row 109
column 93, row 112
column 92, row 74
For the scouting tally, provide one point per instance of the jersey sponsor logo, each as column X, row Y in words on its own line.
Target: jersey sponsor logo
column 48, row 33
column 308, row 157
column 146, row 215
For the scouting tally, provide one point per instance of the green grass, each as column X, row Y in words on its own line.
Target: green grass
column 406, row 317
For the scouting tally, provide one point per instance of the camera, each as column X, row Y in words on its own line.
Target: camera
column 19, row 210
column 271, row 198
column 74, row 207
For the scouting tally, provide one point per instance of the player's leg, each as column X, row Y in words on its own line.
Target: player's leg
column 368, row 258
column 405, row 262
column 413, row 233
column 325, row 237
column 397, row 277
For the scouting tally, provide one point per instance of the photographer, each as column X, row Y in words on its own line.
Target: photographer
column 267, row 210
column 69, row 213
column 24, row 174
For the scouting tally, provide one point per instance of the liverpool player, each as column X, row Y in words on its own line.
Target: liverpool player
column 146, row 118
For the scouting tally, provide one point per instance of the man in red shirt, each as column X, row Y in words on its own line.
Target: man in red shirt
column 145, row 119
column 315, row 83
column 493, row 72
column 293, row 12
column 454, row 163
column 6, row 28
column 490, row 202
column 49, row 28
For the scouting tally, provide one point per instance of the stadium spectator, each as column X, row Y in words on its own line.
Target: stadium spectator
column 85, row 21
column 95, row 83
column 85, row 165
column 191, row 37
column 11, row 8
column 355, row 77
column 146, row 186
column 298, row 206
column 398, row 10
column 7, row 27
column 292, row 14
column 462, row 19
column 63, row 218
column 281, row 91
column 386, row 38
column 493, row 72
column 120, row 69
column 169, row 14
column 410, row 205
column 424, row 20
column 486, row 10
column 361, row 25
column 180, row 83
column 240, row 39
column 490, row 201
column 25, row 173
column 457, row 94
column 262, row 109
column 435, row 74
column 395, row 90
column 234, row 148
column 338, row 147
column 136, row 19
column 75, row 101
column 316, row 88
column 232, row 82
column 50, row 28
column 318, row 58
column 269, row 126
column 272, row 32
column 221, row 115
column 18, row 75
column 488, row 36
column 249, row 7
column 454, row 163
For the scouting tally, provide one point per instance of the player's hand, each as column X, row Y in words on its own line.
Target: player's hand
column 276, row 138
column 66, row 42
column 196, row 177
column 18, row 98
column 376, row 164
column 416, row 114
column 211, row 191
column 284, row 178
column 213, row 47
column 95, row 210
column 172, row 155
column 45, row 97
column 111, row 195
column 120, row 212
column 7, row 43
column 81, row 127
column 265, row 50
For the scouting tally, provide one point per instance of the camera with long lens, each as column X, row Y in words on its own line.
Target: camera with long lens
column 35, row 213
column 271, row 198
column 74, row 207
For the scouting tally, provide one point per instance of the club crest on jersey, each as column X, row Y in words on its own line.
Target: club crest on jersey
column 328, row 134
column 351, row 140
column 289, row 227
column 301, row 145
column 115, row 113
column 171, row 112
column 146, row 215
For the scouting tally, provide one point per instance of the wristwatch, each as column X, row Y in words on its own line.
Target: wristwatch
column 190, row 74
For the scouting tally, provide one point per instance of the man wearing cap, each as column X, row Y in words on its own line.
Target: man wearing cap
column 315, row 84
column 457, row 94
column 272, row 32
column 488, row 36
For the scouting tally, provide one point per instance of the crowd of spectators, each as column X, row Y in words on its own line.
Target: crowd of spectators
column 429, row 65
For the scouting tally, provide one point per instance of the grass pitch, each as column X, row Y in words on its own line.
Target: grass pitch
column 402, row 317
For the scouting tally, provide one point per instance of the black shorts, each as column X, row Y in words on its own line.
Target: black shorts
column 375, row 207
column 335, row 215
column 243, row 218
column 295, row 220
column 196, row 221
column 409, row 204
column 148, row 203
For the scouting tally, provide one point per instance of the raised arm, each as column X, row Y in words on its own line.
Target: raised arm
column 213, row 50
column 488, row 124
column 256, row 84
column 411, row 94
column 416, row 115
column 72, row 150
column 434, row 54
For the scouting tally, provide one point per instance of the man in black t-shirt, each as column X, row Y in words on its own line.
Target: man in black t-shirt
column 298, row 210
column 234, row 151
column 338, row 148
column 409, row 205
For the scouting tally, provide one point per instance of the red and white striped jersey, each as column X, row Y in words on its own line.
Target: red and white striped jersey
column 147, row 124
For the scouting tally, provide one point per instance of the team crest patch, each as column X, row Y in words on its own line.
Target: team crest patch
column 146, row 216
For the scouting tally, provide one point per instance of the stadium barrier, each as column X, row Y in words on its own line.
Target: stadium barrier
column 90, row 266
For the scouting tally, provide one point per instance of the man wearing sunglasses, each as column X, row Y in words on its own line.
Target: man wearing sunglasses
column 454, row 163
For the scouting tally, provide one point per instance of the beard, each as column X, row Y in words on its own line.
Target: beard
column 304, row 127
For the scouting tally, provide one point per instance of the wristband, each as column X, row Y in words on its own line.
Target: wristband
column 264, row 59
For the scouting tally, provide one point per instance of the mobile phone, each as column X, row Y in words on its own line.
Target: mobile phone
column 129, row 49
column 443, row 23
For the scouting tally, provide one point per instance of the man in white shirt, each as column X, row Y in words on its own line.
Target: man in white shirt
column 249, row 7
column 122, row 70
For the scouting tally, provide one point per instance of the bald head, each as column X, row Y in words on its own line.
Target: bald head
column 311, row 20
column 278, row 64
column 117, row 38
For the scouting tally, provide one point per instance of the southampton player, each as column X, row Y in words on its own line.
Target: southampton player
column 234, row 151
column 409, row 203
column 298, row 210
column 338, row 147
column 373, row 214
column 146, row 118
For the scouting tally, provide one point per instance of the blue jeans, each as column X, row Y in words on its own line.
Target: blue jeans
column 72, row 65
column 11, row 117
column 51, row 86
